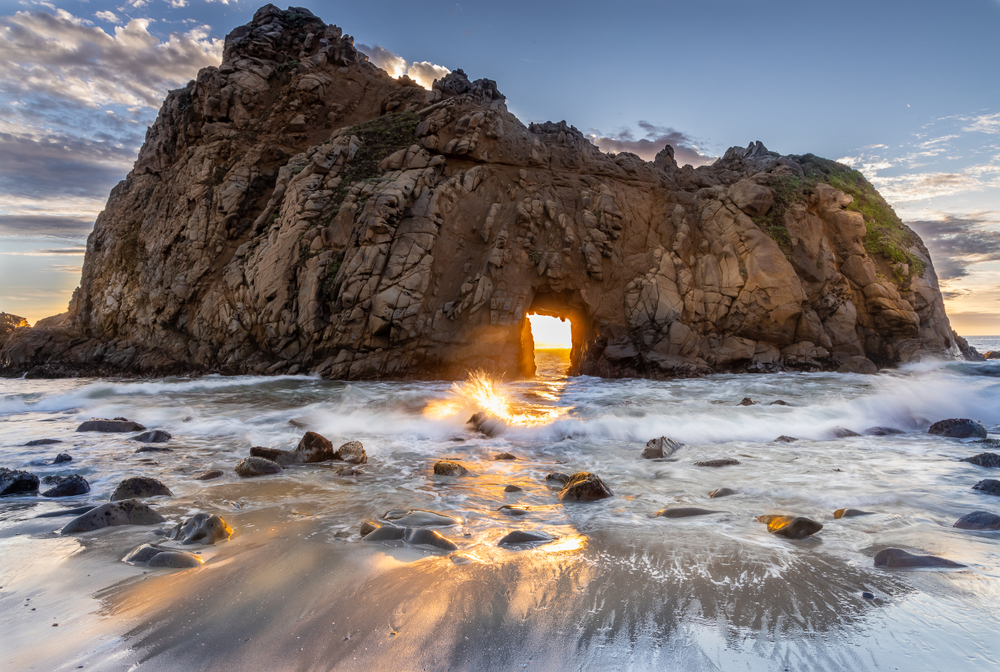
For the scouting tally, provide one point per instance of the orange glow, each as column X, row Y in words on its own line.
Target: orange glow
column 550, row 333
column 481, row 392
column 567, row 544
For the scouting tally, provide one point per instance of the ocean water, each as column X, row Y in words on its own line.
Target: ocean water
column 297, row 588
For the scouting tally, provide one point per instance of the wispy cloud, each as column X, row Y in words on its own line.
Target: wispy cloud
column 653, row 139
column 957, row 244
column 984, row 123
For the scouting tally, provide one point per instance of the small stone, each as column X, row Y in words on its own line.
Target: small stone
column 867, row 595
column 505, row 456
column 256, row 466
column 16, row 482
column 850, row 513
column 104, row 425
column 979, row 520
column 155, row 436
column 721, row 462
column 882, row 431
column 785, row 439
column 524, row 537
column 512, row 488
column 747, row 401
column 842, row 433
column 420, row 518
column 991, row 460
column 61, row 458
column 416, row 536
column 896, row 558
column 958, row 428
column 514, row 510
column 153, row 449
column 557, row 476
column 721, row 492
column 128, row 512
column 138, row 487
column 449, row 468
column 685, row 512
column 282, row 457
column 207, row 475
column 352, row 452
column 989, row 486
column 42, row 442
column 368, row 527
column 660, row 448
column 792, row 528
column 202, row 528
column 313, row 447
column 67, row 486
column 584, row 487
column 349, row 471
column 779, row 402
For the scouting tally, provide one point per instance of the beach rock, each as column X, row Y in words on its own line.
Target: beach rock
column 256, row 466
column 105, row 425
column 512, row 488
column 858, row 364
column 779, row 402
column 138, row 487
column 958, row 428
column 785, row 439
column 659, row 448
column 685, row 512
column 16, row 482
column 505, row 456
column 128, row 512
column 991, row 460
column 76, row 511
column 61, row 458
column 514, row 509
column 897, row 558
column 557, row 476
column 842, row 433
column 584, row 487
column 153, row 448
column 524, row 537
column 282, row 457
column 368, row 527
column 207, row 475
column 747, row 401
column 449, row 468
column 352, row 452
column 420, row 518
column 791, row 527
column 486, row 425
column 201, row 528
column 721, row 492
column 313, row 447
column 385, row 533
column 882, row 431
column 720, row 462
column 991, row 354
column 149, row 555
column 850, row 513
column 990, row 486
column 416, row 536
column 155, row 436
column 42, row 442
column 348, row 471
column 978, row 520
column 67, row 486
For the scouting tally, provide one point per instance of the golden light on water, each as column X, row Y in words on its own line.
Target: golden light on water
column 550, row 333
column 484, row 393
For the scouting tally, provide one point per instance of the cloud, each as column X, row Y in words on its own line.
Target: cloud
column 422, row 72
column 110, row 17
column 958, row 243
column 984, row 123
column 686, row 149
column 45, row 225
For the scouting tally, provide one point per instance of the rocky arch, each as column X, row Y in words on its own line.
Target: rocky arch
column 566, row 304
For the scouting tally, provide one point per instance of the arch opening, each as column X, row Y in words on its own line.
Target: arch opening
column 553, row 335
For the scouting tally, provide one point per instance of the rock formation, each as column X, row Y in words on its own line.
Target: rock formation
column 298, row 210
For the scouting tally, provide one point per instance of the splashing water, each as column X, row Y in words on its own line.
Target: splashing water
column 489, row 395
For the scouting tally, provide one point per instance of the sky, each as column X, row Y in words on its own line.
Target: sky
column 907, row 92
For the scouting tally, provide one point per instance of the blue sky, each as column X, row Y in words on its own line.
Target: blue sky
column 908, row 92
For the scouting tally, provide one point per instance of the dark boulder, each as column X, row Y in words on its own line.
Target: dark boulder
column 505, row 456
column 150, row 555
column 584, row 487
column 685, row 512
column 720, row 462
column 790, row 527
column 105, row 425
column 282, row 457
column 779, row 402
column 842, row 433
column 61, row 458
column 153, row 448
column 978, row 520
column 385, row 533
column 416, row 536
column 721, row 492
column 897, row 558
column 140, row 486
column 352, row 452
column 512, row 488
column 747, row 401
column 16, row 482
column 991, row 460
column 850, row 513
column 128, row 512
column 42, row 442
column 155, row 436
column 249, row 467
column 525, row 537
column 313, row 447
column 67, row 486
column 207, row 475
column 449, row 468
column 659, row 448
column 785, row 439
column 990, row 486
column 201, row 528
column 368, row 527
column 958, row 428
column 485, row 425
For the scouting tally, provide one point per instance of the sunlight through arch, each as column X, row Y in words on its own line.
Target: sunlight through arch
column 550, row 333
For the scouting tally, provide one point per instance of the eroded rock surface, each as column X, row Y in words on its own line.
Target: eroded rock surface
column 67, row 486
column 958, row 428
column 140, row 486
column 296, row 209
column 202, row 528
column 584, row 487
column 17, row 482
column 256, row 466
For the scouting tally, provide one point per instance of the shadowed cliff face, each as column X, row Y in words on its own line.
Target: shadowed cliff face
column 296, row 210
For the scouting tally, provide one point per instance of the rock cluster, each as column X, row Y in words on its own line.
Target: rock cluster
column 296, row 209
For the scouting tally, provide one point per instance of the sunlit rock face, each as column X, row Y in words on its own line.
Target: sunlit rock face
column 297, row 210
